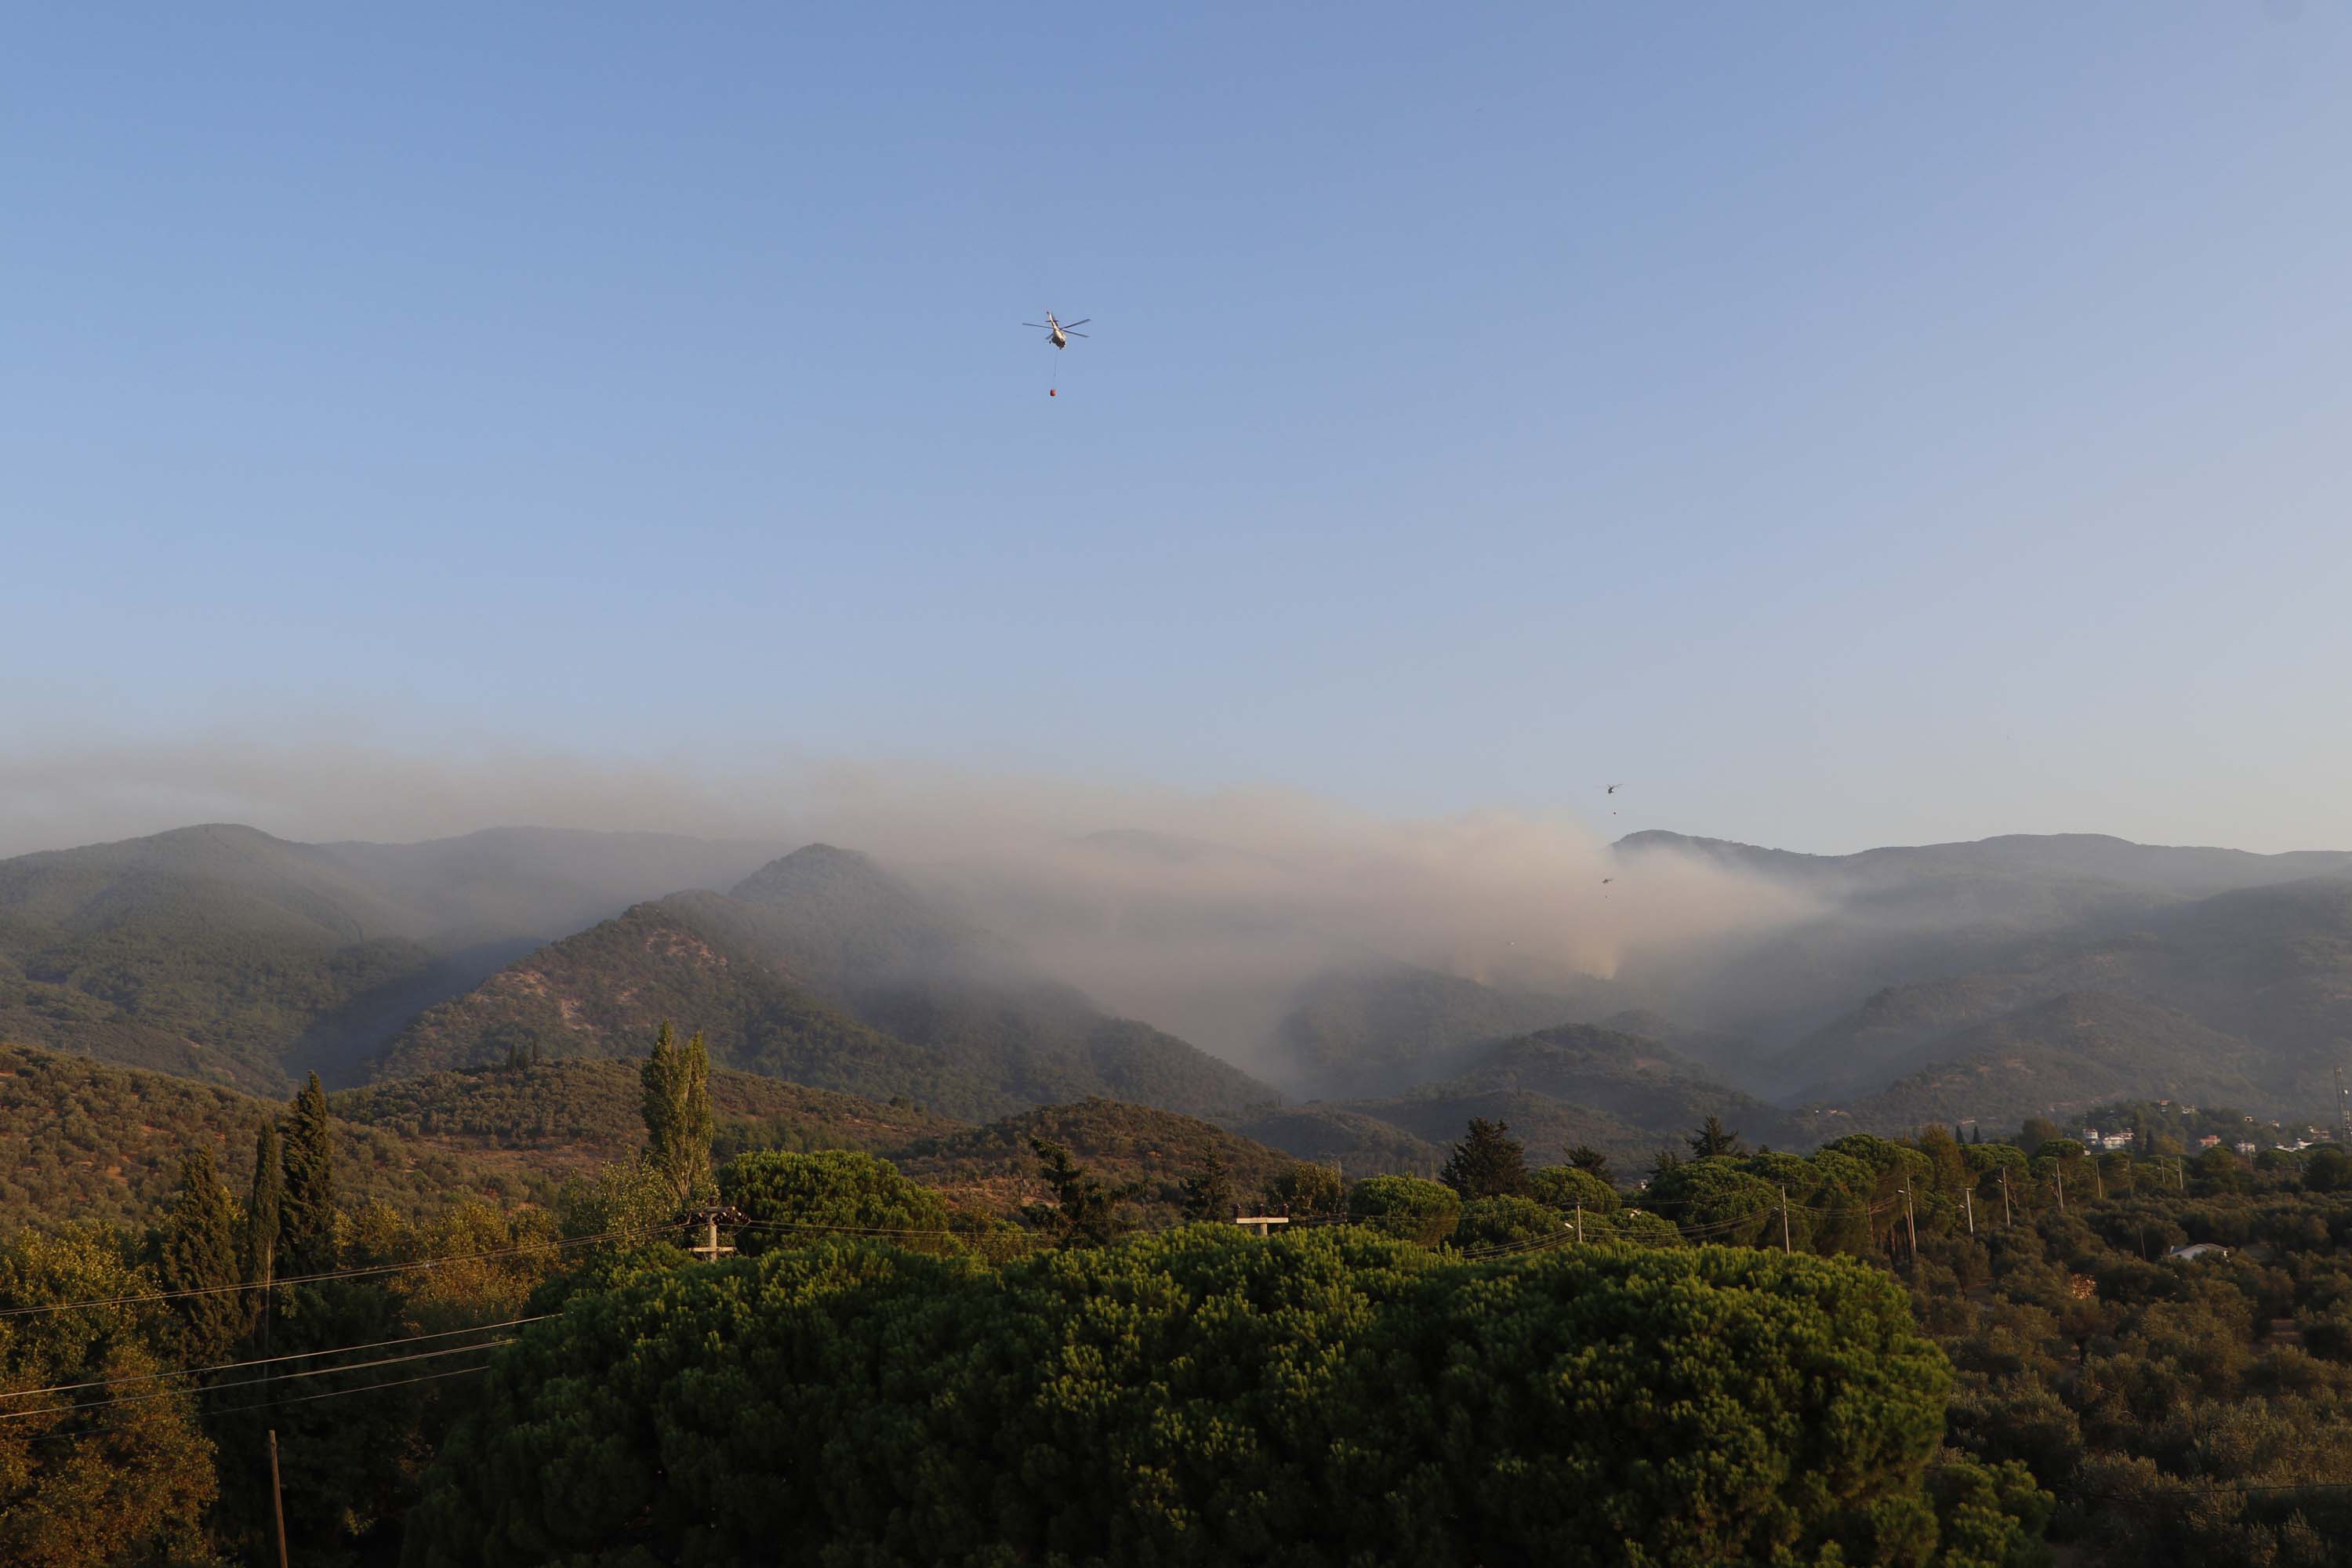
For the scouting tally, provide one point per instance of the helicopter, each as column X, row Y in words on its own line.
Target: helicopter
column 1059, row 331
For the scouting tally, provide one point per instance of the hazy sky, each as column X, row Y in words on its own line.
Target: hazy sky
column 1844, row 425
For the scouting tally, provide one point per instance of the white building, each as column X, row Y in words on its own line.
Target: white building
column 2116, row 1141
column 2200, row 1249
column 2247, row 1149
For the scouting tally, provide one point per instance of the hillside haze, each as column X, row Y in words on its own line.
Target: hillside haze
column 223, row 954
column 1988, row 981
column 822, row 968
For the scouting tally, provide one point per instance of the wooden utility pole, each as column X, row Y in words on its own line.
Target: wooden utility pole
column 2099, row 1181
column 1580, row 1222
column 2062, row 1189
column 1911, row 1225
column 276, row 1498
column 1968, row 1198
column 1261, row 1221
column 1785, row 1248
column 2004, row 1198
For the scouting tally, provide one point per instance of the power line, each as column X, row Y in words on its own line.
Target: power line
column 371, row 1271
column 267, row 1361
column 250, row 1382
column 272, row 1404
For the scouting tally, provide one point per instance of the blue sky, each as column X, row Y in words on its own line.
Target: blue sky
column 1845, row 423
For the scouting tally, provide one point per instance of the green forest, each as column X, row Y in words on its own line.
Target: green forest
column 1935, row 1350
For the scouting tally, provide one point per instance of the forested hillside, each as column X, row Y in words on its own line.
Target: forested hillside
column 993, row 1167
column 80, row 1140
column 1379, row 1029
column 222, row 954
column 840, row 979
column 1559, row 1088
column 2058, row 1056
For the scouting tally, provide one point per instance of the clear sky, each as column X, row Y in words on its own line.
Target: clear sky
column 1844, row 423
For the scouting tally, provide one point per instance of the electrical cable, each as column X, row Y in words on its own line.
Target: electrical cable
column 266, row 1361
column 249, row 1381
column 369, row 1271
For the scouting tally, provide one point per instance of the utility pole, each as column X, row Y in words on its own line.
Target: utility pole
column 1785, row 1248
column 1968, row 1198
column 2062, row 1189
column 1580, row 1222
column 2099, row 1180
column 710, row 1216
column 2004, row 1198
column 1911, row 1225
column 276, row 1498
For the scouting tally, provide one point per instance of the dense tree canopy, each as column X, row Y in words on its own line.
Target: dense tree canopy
column 1205, row 1398
column 799, row 1199
column 83, row 1489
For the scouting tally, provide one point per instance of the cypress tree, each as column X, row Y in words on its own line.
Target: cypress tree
column 677, row 1115
column 306, row 1230
column 257, row 1249
column 199, row 1252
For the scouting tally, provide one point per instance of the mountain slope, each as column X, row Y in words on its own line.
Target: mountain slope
column 2064, row 1054
column 2269, row 965
column 716, row 964
column 82, row 1140
column 565, row 1114
column 993, row 1167
column 603, row 992
column 221, row 953
column 1378, row 1028
column 1579, row 1084
column 840, row 923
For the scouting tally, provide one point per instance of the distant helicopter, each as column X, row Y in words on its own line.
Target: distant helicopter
column 1059, row 331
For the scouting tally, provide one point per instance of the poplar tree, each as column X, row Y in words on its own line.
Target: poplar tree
column 198, row 1253
column 306, row 1231
column 677, row 1115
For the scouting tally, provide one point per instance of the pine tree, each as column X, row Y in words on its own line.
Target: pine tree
column 306, row 1229
column 677, row 1115
column 1712, row 1138
column 1488, row 1164
column 1591, row 1160
column 1975, row 1133
column 198, row 1253
column 1210, row 1195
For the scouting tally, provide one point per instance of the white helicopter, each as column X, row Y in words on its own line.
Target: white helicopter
column 1059, row 331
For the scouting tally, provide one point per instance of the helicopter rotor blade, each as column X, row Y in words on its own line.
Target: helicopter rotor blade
column 1081, row 321
column 1039, row 325
column 1068, row 334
